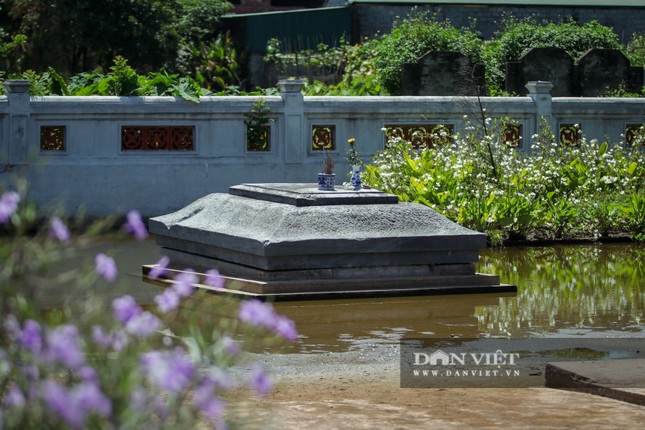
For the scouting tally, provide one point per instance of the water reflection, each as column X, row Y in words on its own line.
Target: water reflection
column 567, row 289
column 562, row 291
column 339, row 325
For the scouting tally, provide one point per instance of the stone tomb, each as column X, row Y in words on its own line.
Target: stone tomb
column 293, row 241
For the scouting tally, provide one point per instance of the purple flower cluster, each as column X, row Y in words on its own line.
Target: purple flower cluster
column 64, row 346
column 135, row 320
column 171, row 371
column 73, row 406
column 182, row 287
column 259, row 381
column 135, row 225
column 59, row 230
column 262, row 314
column 60, row 345
column 8, row 205
column 30, row 337
column 214, row 279
column 105, row 267
column 157, row 383
column 160, row 268
column 117, row 340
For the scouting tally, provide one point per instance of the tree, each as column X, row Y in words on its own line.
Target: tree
column 80, row 35
column 199, row 19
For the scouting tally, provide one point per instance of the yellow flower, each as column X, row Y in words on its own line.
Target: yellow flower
column 351, row 140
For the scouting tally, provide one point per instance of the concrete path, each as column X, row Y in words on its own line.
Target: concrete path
column 622, row 380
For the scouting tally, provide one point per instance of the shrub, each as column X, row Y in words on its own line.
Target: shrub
column 516, row 36
column 413, row 37
column 122, row 80
column 555, row 191
column 162, row 366
column 635, row 50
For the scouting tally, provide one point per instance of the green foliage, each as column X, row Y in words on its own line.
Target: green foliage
column 122, row 80
column 257, row 122
column 634, row 211
column 375, row 67
column 554, row 191
column 517, row 36
column 413, row 37
column 213, row 64
column 79, row 35
column 75, row 36
column 348, row 65
column 635, row 50
column 11, row 50
column 324, row 61
column 198, row 19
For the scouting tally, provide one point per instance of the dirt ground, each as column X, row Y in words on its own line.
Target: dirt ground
column 331, row 392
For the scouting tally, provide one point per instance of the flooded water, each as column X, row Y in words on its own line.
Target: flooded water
column 563, row 291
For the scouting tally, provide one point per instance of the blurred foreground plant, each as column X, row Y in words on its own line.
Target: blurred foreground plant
column 130, row 367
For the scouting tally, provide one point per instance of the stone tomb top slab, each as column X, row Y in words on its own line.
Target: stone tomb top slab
column 308, row 195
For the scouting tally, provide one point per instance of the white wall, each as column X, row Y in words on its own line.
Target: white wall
column 95, row 175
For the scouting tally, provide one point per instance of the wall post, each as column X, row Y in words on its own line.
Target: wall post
column 18, row 96
column 540, row 93
column 294, row 120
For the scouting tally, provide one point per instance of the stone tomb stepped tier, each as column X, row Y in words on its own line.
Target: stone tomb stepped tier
column 293, row 241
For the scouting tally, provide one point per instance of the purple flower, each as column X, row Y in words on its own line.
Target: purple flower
column 73, row 406
column 171, row 371
column 88, row 397
column 214, row 279
column 161, row 408
column 160, row 268
column 88, row 374
column 125, row 308
column 230, row 345
column 116, row 340
column 58, row 400
column 263, row 315
column 100, row 337
column 8, row 205
column 259, row 381
column 14, row 398
column 143, row 325
column 59, row 230
column 167, row 301
column 119, row 340
column 184, row 283
column 31, row 336
column 135, row 225
column 218, row 378
column 63, row 346
column 211, row 406
column 285, row 327
column 105, row 267
column 257, row 313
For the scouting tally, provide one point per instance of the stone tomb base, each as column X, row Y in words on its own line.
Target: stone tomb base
column 292, row 241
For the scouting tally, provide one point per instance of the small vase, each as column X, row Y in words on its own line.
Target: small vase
column 326, row 181
column 356, row 177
